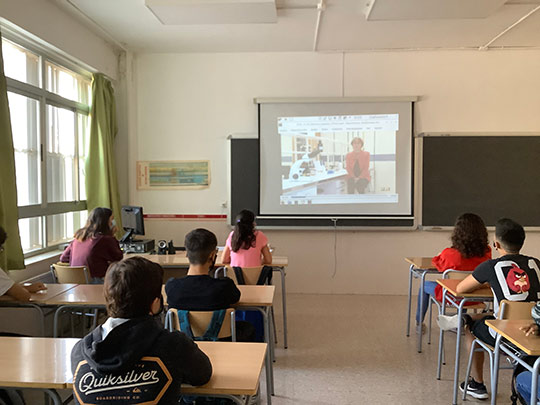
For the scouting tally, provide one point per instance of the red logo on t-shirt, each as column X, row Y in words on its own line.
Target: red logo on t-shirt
column 517, row 280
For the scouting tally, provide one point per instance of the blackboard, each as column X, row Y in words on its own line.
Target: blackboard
column 244, row 194
column 492, row 176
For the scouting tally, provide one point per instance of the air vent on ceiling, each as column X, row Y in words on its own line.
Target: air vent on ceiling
column 428, row 9
column 186, row 12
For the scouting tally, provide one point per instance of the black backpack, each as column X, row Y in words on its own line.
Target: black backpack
column 516, row 398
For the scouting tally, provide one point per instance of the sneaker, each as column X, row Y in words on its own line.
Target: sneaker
column 421, row 329
column 446, row 322
column 475, row 389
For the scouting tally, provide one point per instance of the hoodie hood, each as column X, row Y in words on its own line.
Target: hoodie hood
column 122, row 347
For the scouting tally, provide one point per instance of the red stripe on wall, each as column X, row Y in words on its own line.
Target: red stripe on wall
column 185, row 216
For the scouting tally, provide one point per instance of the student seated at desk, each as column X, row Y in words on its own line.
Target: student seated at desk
column 131, row 358
column 469, row 248
column 513, row 277
column 94, row 245
column 200, row 292
column 9, row 287
column 246, row 246
column 524, row 379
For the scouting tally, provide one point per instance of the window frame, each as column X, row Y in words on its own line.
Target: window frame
column 44, row 99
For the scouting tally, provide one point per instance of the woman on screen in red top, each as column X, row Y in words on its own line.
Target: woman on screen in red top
column 469, row 249
column 357, row 165
column 246, row 246
column 94, row 245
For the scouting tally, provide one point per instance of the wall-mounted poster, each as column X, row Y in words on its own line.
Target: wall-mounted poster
column 162, row 175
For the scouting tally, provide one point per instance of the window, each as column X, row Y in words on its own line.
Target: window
column 49, row 107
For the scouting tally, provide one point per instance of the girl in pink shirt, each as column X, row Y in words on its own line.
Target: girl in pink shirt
column 245, row 246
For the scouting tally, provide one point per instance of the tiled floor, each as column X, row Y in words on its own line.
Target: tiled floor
column 352, row 349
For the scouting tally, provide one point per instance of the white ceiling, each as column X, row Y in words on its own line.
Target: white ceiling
column 343, row 27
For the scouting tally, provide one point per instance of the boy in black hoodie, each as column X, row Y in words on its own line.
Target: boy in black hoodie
column 131, row 359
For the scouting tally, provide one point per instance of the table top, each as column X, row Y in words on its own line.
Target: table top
column 451, row 284
column 82, row 294
column 251, row 296
column 92, row 294
column 180, row 259
column 421, row 263
column 509, row 329
column 41, row 297
column 35, row 362
column 236, row 368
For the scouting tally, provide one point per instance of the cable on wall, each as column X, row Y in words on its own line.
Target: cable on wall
column 334, row 220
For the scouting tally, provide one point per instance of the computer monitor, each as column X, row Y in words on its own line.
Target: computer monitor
column 132, row 222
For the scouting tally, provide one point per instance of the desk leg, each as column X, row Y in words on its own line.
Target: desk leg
column 458, row 350
column 534, row 382
column 284, row 303
column 441, row 337
column 54, row 396
column 409, row 301
column 495, row 371
column 420, row 336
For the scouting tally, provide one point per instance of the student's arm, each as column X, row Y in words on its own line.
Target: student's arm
column 232, row 292
column 226, row 255
column 196, row 365
column 267, row 256
column 66, row 255
column 469, row 284
column 112, row 249
column 23, row 293
column 18, row 292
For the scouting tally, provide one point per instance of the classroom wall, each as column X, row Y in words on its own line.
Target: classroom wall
column 47, row 21
column 187, row 104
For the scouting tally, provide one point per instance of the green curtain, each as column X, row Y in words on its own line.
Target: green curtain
column 101, row 182
column 12, row 257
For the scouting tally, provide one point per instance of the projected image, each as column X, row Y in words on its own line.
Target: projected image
column 338, row 159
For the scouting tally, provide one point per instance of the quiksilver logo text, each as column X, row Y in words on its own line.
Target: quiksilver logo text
column 91, row 384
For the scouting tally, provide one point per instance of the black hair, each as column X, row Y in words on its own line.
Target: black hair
column 131, row 286
column 510, row 235
column 200, row 243
column 470, row 236
column 3, row 236
column 243, row 235
column 97, row 223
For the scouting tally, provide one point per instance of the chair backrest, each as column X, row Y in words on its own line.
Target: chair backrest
column 456, row 274
column 67, row 274
column 251, row 274
column 199, row 321
column 516, row 310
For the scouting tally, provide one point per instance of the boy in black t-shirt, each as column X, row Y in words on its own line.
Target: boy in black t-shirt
column 200, row 292
column 513, row 277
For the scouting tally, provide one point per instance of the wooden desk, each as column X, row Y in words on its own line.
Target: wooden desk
column 452, row 297
column 42, row 296
column 37, row 300
column 530, row 345
column 419, row 267
column 40, row 363
column 236, row 368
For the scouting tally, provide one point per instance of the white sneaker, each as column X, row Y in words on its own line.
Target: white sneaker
column 446, row 322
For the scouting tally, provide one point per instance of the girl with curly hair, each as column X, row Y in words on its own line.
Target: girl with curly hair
column 469, row 248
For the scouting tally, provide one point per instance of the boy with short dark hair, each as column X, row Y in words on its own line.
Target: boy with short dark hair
column 131, row 358
column 512, row 276
column 200, row 292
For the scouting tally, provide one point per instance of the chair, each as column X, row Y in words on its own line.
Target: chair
column 252, row 275
column 199, row 322
column 65, row 274
column 508, row 310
